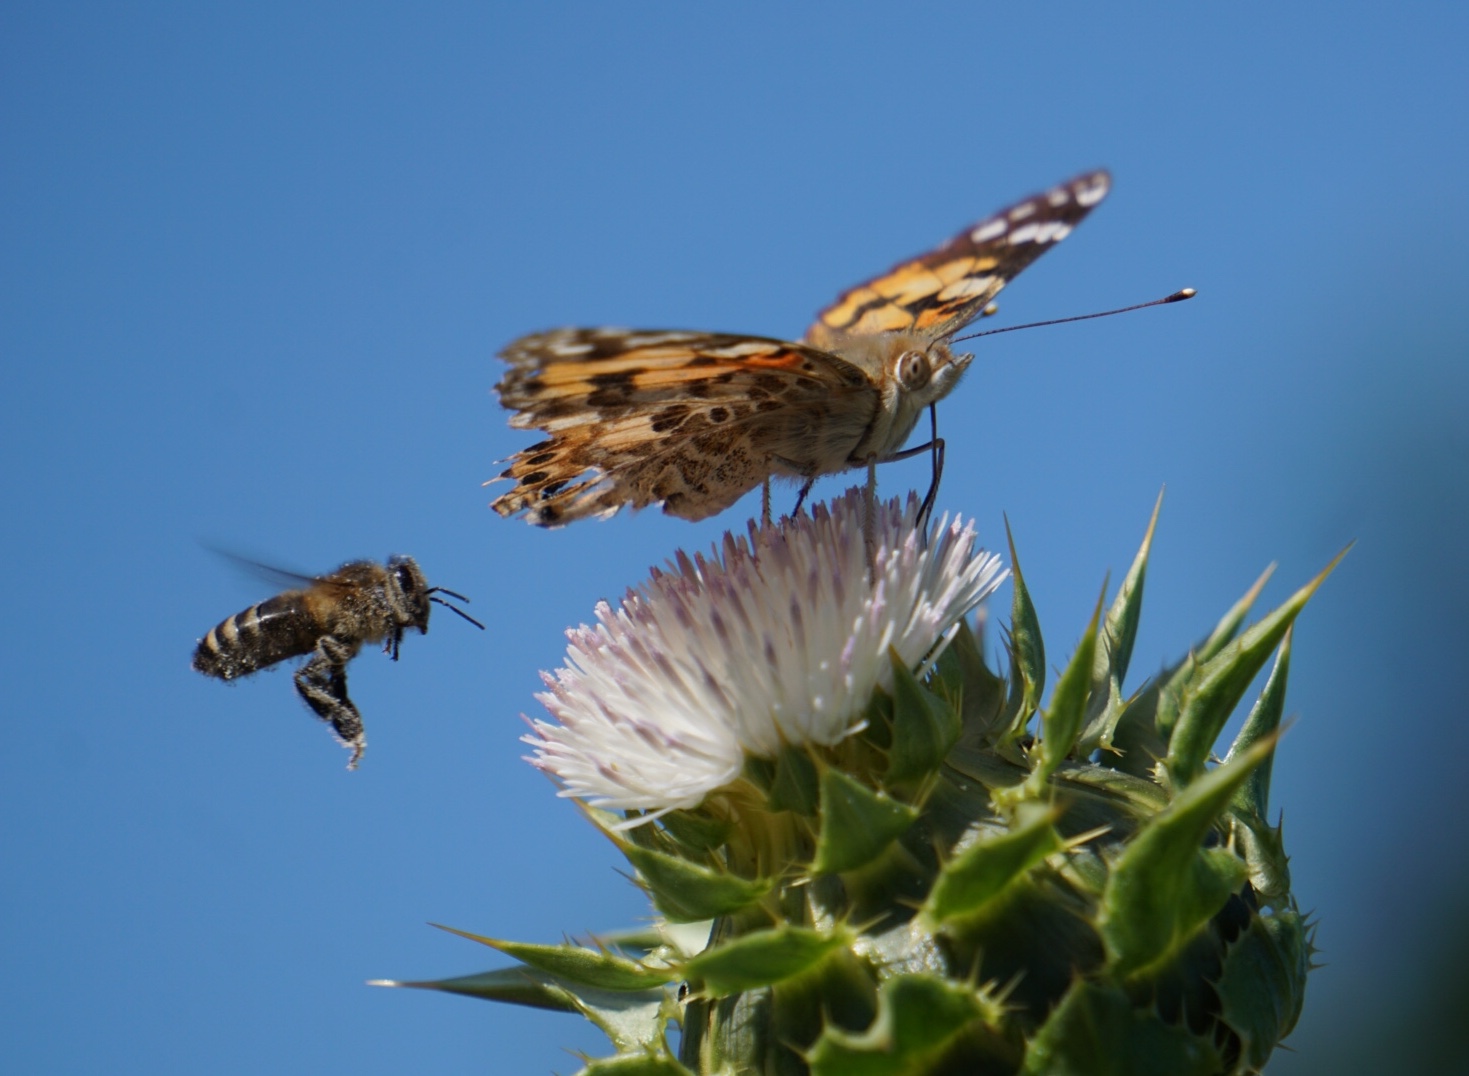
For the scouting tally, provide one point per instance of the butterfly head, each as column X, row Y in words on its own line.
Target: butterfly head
column 925, row 374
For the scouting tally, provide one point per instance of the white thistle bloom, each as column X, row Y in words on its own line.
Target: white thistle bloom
column 779, row 641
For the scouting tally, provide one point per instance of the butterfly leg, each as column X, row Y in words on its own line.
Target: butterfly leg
column 869, row 516
column 322, row 682
column 801, row 497
column 925, row 511
column 935, row 446
column 765, row 502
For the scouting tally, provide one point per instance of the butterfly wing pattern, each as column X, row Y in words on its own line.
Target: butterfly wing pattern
column 685, row 418
column 694, row 420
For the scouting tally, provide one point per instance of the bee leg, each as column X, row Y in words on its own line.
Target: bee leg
column 765, row 502
column 322, row 682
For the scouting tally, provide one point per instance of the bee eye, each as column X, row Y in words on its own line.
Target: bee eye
column 914, row 370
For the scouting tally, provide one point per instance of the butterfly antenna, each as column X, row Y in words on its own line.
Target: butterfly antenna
column 1177, row 297
column 433, row 597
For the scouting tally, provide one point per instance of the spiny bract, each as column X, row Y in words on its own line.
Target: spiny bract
column 971, row 883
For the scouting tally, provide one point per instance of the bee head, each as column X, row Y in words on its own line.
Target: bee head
column 409, row 592
column 412, row 595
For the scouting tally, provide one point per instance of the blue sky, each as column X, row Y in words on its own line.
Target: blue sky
column 255, row 265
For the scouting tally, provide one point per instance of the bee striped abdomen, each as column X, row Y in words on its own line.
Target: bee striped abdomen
column 262, row 635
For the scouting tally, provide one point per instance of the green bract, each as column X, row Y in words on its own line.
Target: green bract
column 969, row 882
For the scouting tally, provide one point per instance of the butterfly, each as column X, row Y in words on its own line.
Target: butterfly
column 695, row 420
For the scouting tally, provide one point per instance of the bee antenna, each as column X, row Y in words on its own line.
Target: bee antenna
column 446, row 590
column 1177, row 297
column 455, row 608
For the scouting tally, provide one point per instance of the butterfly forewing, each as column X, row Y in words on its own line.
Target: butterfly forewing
column 938, row 293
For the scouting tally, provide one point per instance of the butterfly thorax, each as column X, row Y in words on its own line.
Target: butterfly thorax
column 910, row 371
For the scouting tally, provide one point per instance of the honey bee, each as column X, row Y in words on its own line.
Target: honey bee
column 328, row 617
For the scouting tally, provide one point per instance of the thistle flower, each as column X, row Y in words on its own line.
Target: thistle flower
column 870, row 853
column 779, row 642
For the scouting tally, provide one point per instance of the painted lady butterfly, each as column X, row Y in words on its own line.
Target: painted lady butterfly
column 695, row 420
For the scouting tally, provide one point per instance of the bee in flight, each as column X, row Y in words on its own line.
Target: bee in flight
column 328, row 617
column 694, row 420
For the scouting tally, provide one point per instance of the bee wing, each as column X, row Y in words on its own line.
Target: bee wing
column 279, row 578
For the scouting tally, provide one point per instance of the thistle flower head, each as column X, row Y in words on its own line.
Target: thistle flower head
column 778, row 638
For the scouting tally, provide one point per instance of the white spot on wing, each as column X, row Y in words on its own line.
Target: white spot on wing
column 737, row 351
column 1058, row 197
column 1023, row 210
column 988, row 230
column 1024, row 234
column 1092, row 190
column 1051, row 231
column 962, row 289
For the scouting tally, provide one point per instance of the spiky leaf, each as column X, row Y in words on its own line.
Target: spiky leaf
column 1114, row 648
column 1061, row 722
column 761, row 958
column 1218, row 684
column 686, row 892
column 1254, row 795
column 925, row 727
column 857, row 823
column 981, row 871
column 1166, row 885
column 920, row 1019
column 635, row 1065
column 1259, row 988
column 1096, row 1031
column 574, row 963
column 1027, row 651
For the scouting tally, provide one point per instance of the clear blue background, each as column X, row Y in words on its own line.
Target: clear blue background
column 254, row 268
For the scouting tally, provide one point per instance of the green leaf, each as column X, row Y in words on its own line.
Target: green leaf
column 1254, row 794
column 1217, row 685
column 686, row 892
column 983, row 869
column 924, row 728
column 515, row 986
column 760, row 958
column 1167, row 712
column 1027, row 652
column 1095, row 1031
column 1120, row 629
column 1264, row 852
column 1135, row 746
column 964, row 676
column 1114, row 648
column 1061, row 722
column 1263, row 983
column 635, row 1065
column 856, row 823
column 630, row 1020
column 696, row 830
column 589, row 967
column 795, row 785
column 920, row 1017
column 1165, row 886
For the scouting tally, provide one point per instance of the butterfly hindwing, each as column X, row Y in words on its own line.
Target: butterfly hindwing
column 694, row 420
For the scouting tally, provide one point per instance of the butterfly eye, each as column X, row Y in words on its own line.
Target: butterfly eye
column 914, row 370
